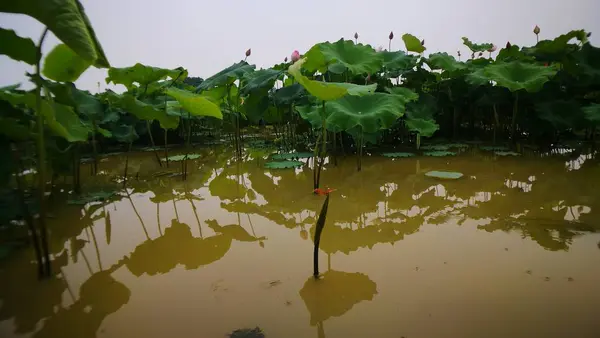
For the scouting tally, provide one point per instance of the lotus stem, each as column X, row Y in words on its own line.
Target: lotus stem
column 94, row 147
column 149, row 127
column 166, row 149
column 318, row 231
column 513, row 128
column 126, row 164
column 41, row 165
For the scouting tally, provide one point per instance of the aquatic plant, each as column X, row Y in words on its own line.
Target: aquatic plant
column 319, row 230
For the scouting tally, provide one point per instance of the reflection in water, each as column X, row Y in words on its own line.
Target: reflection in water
column 216, row 218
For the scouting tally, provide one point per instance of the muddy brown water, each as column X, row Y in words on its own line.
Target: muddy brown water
column 511, row 249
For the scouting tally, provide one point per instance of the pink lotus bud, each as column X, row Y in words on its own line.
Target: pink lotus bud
column 508, row 45
column 295, row 56
column 536, row 30
column 285, row 60
column 492, row 49
column 356, row 35
column 458, row 52
column 248, row 52
column 391, row 35
column 423, row 42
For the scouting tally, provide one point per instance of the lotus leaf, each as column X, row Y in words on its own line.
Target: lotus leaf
column 90, row 197
column 439, row 153
column 400, row 154
column 404, row 94
column 195, row 104
column 227, row 76
column 176, row 158
column 561, row 114
column 419, row 115
column 506, row 153
column 457, row 145
column 449, row 175
column 142, row 75
column 291, row 156
column 425, row 127
column 324, row 90
column 555, row 50
column 260, row 79
column 398, row 62
column 588, row 62
column 64, row 65
column 592, row 112
column 16, row 47
column 283, row 164
column 142, row 110
column 67, row 20
column 493, row 148
column 343, row 54
column 13, row 129
column 518, row 75
column 413, row 44
column 371, row 113
column 435, row 147
column 513, row 53
column 476, row 47
column 289, row 94
column 444, row 62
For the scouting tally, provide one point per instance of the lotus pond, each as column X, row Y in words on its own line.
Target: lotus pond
column 510, row 249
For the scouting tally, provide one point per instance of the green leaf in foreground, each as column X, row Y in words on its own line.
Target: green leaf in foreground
column 283, row 164
column 67, row 20
column 474, row 47
column 449, row 175
column 227, row 76
column 63, row 65
column 357, row 58
column 518, row 75
column 141, row 110
column 143, row 75
column 16, row 47
column 413, row 44
column 398, row 155
column 371, row 113
column 195, row 104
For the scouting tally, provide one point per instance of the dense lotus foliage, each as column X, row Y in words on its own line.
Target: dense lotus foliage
column 337, row 95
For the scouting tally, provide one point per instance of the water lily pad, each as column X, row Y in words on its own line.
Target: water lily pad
column 176, row 158
column 290, row 156
column 457, row 145
column 449, row 175
column 506, row 153
column 438, row 147
column 395, row 155
column 283, row 164
column 439, row 153
column 91, row 197
column 493, row 148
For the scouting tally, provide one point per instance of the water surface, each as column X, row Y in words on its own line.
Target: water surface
column 509, row 250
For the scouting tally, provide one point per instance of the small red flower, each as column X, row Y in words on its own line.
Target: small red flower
column 323, row 192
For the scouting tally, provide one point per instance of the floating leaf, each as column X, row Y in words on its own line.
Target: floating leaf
column 449, row 175
column 283, row 164
column 400, row 154
column 16, row 47
column 64, row 65
column 177, row 158
column 67, row 20
column 435, row 147
column 475, row 48
column 493, row 148
column 291, row 156
column 357, row 58
column 439, row 153
column 90, row 197
column 457, row 145
column 506, row 153
column 413, row 44
column 195, row 104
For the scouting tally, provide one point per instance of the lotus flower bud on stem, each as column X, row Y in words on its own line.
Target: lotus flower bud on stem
column 285, row 60
column 356, row 38
column 536, row 31
column 295, row 56
column 391, row 35
column 423, row 42
column 492, row 49
column 508, row 45
column 391, row 38
column 458, row 52
column 248, row 53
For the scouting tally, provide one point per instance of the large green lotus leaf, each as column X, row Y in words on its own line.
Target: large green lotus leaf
column 16, row 47
column 62, row 64
column 124, row 133
column 142, row 75
column 444, row 62
column 195, row 104
column 398, row 62
column 141, row 110
column 518, row 75
column 474, row 47
column 67, row 20
column 425, row 127
column 367, row 138
column 357, row 58
column 477, row 77
column 371, row 113
column 554, row 50
column 84, row 103
column 592, row 112
column 424, row 108
column 13, row 129
column 227, row 76
column 327, row 91
column 289, row 94
column 61, row 119
column 256, row 105
column 513, row 53
column 588, row 62
column 561, row 114
column 405, row 94
column 260, row 79
column 413, row 44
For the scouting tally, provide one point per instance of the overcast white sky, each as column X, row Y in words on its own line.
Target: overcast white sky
column 207, row 36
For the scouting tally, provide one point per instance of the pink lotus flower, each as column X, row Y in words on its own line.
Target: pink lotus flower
column 492, row 49
column 295, row 56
